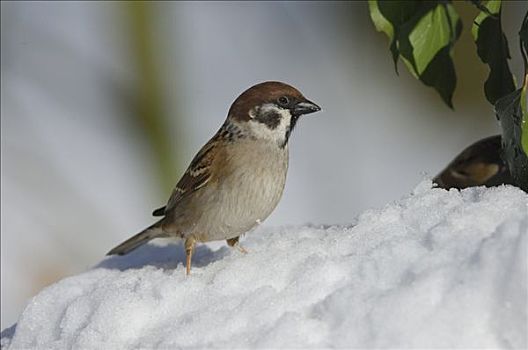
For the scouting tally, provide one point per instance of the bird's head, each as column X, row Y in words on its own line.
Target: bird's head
column 269, row 111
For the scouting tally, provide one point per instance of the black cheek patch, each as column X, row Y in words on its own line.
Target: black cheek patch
column 270, row 118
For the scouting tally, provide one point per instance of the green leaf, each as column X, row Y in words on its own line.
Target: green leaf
column 428, row 42
column 492, row 7
column 383, row 25
column 492, row 48
column 524, row 111
column 398, row 13
column 512, row 117
column 423, row 34
column 442, row 79
column 380, row 22
column 431, row 34
column 523, row 37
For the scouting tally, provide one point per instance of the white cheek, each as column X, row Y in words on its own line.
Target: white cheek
column 261, row 131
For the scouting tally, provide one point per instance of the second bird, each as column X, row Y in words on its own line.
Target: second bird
column 237, row 178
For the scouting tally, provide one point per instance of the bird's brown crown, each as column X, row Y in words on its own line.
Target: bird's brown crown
column 257, row 95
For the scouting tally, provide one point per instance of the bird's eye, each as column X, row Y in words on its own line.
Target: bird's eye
column 284, row 100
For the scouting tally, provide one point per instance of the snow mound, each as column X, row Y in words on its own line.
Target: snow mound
column 435, row 269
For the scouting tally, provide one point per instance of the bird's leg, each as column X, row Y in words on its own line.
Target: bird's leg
column 189, row 248
column 233, row 242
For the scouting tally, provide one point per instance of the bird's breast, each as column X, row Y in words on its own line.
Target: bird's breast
column 249, row 191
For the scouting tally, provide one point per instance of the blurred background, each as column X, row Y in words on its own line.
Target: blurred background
column 103, row 105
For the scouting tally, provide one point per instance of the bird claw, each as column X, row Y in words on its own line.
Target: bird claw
column 234, row 243
column 240, row 248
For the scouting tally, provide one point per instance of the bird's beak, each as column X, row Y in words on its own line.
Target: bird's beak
column 305, row 107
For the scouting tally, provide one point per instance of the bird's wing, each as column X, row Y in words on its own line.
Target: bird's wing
column 198, row 174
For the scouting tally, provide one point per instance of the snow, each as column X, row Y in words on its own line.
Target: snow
column 434, row 269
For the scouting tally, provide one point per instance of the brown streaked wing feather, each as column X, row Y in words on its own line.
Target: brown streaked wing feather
column 197, row 175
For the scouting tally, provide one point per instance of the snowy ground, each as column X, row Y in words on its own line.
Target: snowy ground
column 435, row 269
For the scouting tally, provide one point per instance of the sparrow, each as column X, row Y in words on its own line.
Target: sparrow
column 237, row 179
column 480, row 164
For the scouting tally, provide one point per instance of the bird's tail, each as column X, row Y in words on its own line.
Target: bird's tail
column 151, row 232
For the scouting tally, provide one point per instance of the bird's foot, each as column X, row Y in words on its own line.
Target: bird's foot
column 233, row 242
column 240, row 248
